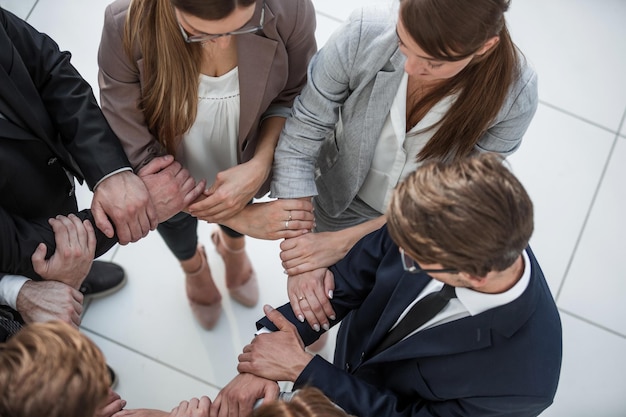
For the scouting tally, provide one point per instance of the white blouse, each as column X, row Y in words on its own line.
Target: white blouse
column 396, row 151
column 210, row 145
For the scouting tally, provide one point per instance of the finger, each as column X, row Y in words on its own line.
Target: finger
column 91, row 237
column 105, row 226
column 193, row 403
column 39, row 259
column 295, row 306
column 153, row 218
column 329, row 288
column 76, row 228
column 277, row 318
column 309, row 314
column 156, row 165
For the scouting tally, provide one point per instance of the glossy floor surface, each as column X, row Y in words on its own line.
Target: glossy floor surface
column 573, row 162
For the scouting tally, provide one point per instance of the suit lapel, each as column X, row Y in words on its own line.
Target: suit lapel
column 404, row 293
column 23, row 107
column 470, row 333
column 383, row 93
column 255, row 55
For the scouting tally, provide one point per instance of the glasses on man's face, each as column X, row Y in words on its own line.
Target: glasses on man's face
column 204, row 37
column 410, row 265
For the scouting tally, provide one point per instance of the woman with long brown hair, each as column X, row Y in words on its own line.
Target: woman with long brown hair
column 210, row 82
column 440, row 79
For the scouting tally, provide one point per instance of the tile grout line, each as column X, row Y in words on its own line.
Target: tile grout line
column 336, row 19
column 172, row 368
column 592, row 323
column 574, row 115
column 31, row 10
column 590, row 209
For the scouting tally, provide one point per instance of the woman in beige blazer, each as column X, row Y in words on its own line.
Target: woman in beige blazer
column 210, row 82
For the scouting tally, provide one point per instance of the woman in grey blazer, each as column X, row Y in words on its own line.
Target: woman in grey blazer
column 211, row 83
column 441, row 81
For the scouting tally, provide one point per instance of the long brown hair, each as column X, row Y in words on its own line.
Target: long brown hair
column 171, row 66
column 450, row 30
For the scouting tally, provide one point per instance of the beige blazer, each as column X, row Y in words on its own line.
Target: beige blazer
column 272, row 71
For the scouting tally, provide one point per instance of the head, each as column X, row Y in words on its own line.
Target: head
column 472, row 215
column 461, row 47
column 51, row 369
column 441, row 37
column 216, row 21
column 307, row 402
column 169, row 35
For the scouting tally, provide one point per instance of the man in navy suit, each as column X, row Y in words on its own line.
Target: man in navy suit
column 494, row 350
column 52, row 131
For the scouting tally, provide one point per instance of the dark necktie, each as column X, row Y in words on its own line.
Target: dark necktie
column 421, row 312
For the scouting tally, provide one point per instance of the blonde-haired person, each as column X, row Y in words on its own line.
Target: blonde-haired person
column 211, row 82
column 51, row 369
column 437, row 80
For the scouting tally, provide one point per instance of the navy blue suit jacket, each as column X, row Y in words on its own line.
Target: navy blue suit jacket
column 503, row 362
column 50, row 122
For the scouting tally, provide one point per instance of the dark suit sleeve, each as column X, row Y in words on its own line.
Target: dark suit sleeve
column 355, row 276
column 69, row 101
column 19, row 238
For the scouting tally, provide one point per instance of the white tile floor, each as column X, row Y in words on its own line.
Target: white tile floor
column 572, row 161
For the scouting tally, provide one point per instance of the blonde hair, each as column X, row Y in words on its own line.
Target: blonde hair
column 307, row 402
column 171, row 66
column 52, row 370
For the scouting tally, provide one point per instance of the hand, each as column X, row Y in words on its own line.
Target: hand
column 238, row 397
column 310, row 294
column 193, row 408
column 269, row 220
column 230, row 193
column 141, row 412
column 309, row 252
column 124, row 198
column 171, row 187
column 40, row 301
column 73, row 256
column 279, row 356
column 111, row 405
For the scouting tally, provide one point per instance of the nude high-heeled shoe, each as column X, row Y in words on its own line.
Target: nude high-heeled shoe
column 236, row 264
column 205, row 299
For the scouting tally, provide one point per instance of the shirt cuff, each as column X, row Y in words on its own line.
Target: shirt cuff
column 10, row 286
column 110, row 175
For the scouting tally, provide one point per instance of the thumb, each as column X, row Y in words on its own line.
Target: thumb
column 39, row 258
column 156, row 165
column 277, row 318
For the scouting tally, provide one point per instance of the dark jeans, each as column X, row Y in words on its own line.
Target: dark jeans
column 180, row 234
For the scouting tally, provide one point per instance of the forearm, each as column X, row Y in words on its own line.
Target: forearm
column 351, row 235
column 266, row 144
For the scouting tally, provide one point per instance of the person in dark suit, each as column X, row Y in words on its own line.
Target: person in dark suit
column 493, row 350
column 52, row 131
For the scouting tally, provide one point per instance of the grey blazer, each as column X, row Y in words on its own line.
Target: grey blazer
column 272, row 71
column 354, row 79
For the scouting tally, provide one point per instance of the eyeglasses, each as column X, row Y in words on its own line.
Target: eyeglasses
column 410, row 265
column 207, row 37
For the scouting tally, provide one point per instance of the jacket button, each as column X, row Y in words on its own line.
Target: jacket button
column 347, row 367
column 52, row 160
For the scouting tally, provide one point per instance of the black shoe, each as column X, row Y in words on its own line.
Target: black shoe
column 112, row 377
column 104, row 278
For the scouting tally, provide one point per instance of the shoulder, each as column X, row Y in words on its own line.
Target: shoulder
column 290, row 18
column 524, row 90
column 115, row 15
